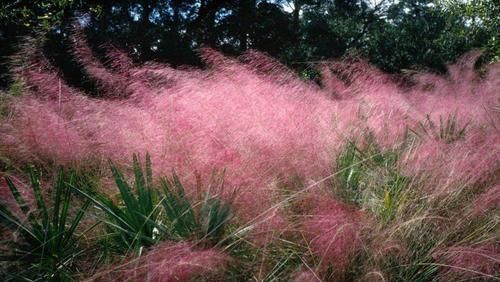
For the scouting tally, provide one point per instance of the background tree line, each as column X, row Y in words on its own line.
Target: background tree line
column 393, row 35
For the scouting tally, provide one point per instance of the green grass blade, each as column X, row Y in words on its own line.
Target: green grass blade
column 66, row 203
column 178, row 209
column 131, row 203
column 76, row 221
column 149, row 183
column 17, row 196
column 125, row 192
column 12, row 222
column 140, row 185
column 149, row 172
column 107, row 206
column 56, row 220
column 35, row 184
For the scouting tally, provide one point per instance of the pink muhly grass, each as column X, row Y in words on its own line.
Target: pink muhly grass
column 112, row 84
column 359, row 75
column 333, row 231
column 462, row 92
column 39, row 77
column 333, row 85
column 489, row 200
column 118, row 60
column 45, row 132
column 465, row 262
column 269, row 68
column 473, row 160
column 170, row 262
column 264, row 224
column 249, row 115
column 369, row 100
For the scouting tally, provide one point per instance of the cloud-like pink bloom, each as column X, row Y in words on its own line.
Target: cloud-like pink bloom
column 334, row 233
column 169, row 262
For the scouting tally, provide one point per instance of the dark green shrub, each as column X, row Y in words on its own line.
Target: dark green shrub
column 135, row 222
column 184, row 221
column 146, row 215
column 46, row 247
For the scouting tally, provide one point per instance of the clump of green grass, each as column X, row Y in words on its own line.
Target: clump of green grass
column 350, row 164
column 272, row 262
column 47, row 244
column 285, row 259
column 369, row 177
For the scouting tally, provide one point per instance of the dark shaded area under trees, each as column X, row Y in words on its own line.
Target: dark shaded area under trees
column 393, row 35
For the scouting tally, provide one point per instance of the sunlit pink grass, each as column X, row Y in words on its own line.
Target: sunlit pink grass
column 487, row 201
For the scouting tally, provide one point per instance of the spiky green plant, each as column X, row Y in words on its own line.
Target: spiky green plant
column 47, row 244
column 135, row 222
column 178, row 209
column 184, row 221
column 214, row 216
column 144, row 215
